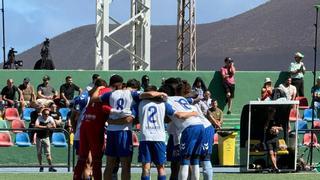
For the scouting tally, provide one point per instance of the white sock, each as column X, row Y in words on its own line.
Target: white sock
column 195, row 172
column 183, row 172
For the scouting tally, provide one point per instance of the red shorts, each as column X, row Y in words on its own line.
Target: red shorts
column 92, row 138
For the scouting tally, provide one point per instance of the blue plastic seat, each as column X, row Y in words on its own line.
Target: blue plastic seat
column 302, row 125
column 59, row 139
column 307, row 115
column 26, row 113
column 22, row 140
column 64, row 113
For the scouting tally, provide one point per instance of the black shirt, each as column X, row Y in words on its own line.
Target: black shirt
column 269, row 135
column 44, row 64
column 68, row 90
column 10, row 93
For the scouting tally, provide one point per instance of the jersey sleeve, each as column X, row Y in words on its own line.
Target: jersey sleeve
column 135, row 95
column 105, row 97
column 190, row 100
column 169, row 110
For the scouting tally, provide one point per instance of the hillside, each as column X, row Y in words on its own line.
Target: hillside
column 264, row 38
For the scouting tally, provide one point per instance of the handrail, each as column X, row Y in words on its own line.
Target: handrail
column 37, row 129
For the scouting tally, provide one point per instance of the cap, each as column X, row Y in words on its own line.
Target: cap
column 267, row 80
column 115, row 79
column 298, row 54
column 46, row 77
column 26, row 79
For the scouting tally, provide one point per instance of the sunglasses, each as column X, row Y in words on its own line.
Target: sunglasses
column 46, row 114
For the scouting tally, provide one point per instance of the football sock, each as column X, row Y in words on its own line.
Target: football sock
column 207, row 170
column 195, row 172
column 183, row 172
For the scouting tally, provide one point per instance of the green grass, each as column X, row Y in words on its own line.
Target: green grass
column 218, row 176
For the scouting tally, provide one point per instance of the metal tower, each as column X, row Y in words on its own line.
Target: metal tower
column 186, row 36
column 140, row 35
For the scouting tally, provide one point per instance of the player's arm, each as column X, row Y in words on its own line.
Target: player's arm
column 181, row 115
column 95, row 95
column 73, row 118
column 121, row 121
column 153, row 94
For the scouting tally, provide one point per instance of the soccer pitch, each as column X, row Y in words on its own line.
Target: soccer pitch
column 136, row 176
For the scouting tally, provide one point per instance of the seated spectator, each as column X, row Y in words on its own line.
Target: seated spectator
column 266, row 90
column 46, row 93
column 315, row 92
column 215, row 115
column 67, row 92
column 199, row 87
column 8, row 94
column 27, row 92
column 205, row 103
column 56, row 115
column 290, row 90
column 145, row 81
column 91, row 85
column 33, row 117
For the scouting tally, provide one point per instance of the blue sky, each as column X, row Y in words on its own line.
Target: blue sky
column 28, row 22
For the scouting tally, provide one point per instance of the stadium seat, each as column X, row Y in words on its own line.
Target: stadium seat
column 316, row 124
column 22, row 140
column 302, row 125
column 307, row 115
column 294, row 114
column 135, row 140
column 59, row 139
column 3, row 125
column 26, row 113
column 282, row 148
column 307, row 140
column 11, row 114
column 18, row 124
column 64, row 113
column 5, row 139
column 303, row 102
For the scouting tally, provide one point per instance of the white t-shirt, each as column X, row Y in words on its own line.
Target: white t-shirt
column 121, row 100
column 290, row 90
column 180, row 104
column 151, row 118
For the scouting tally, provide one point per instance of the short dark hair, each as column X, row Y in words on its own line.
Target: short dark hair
column 150, row 88
column 100, row 82
column 115, row 79
column 95, row 76
column 133, row 83
column 68, row 77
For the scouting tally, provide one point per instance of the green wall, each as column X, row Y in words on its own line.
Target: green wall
column 248, row 83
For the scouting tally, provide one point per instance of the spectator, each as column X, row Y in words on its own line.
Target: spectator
column 315, row 91
column 56, row 115
column 8, row 94
column 290, row 90
column 228, row 71
column 12, row 63
column 145, row 81
column 67, row 92
column 205, row 103
column 33, row 117
column 44, row 122
column 297, row 70
column 45, row 62
column 91, row 85
column 46, row 93
column 199, row 87
column 27, row 92
column 215, row 115
column 266, row 90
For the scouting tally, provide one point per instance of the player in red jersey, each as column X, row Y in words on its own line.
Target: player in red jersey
column 92, row 134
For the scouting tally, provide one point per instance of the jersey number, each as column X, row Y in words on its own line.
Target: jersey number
column 120, row 103
column 152, row 111
column 184, row 103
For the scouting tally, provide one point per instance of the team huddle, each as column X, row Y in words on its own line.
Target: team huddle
column 116, row 108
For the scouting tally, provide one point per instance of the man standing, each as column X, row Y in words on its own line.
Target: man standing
column 67, row 92
column 228, row 71
column 8, row 94
column 44, row 122
column 297, row 70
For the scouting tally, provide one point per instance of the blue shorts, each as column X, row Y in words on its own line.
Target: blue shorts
column 207, row 141
column 191, row 140
column 152, row 151
column 76, row 146
column 119, row 144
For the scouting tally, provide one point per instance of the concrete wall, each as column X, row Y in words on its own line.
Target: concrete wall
column 248, row 84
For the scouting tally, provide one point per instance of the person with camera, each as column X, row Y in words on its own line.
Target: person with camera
column 297, row 70
column 12, row 63
column 228, row 71
column 45, row 62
